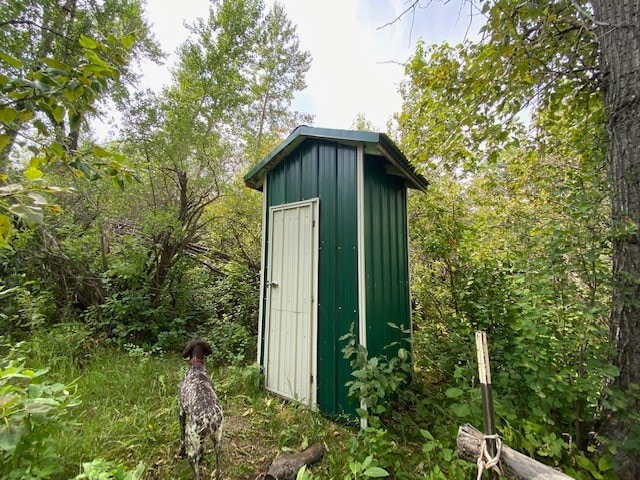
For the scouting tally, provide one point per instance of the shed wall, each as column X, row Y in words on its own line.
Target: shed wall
column 327, row 171
column 386, row 257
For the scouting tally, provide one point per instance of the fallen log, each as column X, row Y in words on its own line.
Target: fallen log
column 286, row 466
column 513, row 464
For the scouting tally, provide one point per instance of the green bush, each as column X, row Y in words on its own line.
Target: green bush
column 377, row 380
column 231, row 343
column 30, row 410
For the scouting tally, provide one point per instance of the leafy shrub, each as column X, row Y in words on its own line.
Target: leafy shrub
column 101, row 469
column 130, row 316
column 231, row 343
column 232, row 296
column 377, row 380
column 30, row 409
column 25, row 306
column 440, row 456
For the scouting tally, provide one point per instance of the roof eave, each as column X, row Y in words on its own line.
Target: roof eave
column 255, row 177
column 393, row 154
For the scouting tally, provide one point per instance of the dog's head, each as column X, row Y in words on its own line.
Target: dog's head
column 198, row 347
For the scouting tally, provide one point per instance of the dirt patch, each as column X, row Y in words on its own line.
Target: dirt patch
column 246, row 449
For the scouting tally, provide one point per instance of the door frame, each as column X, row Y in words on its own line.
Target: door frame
column 313, row 304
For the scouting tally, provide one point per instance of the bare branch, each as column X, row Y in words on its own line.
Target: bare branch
column 399, row 17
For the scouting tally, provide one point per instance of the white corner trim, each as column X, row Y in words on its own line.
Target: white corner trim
column 362, row 300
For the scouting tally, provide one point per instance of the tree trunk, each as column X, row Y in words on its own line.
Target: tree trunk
column 617, row 26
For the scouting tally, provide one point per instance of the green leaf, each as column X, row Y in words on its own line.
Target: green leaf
column 88, row 42
column 50, row 62
column 10, row 436
column 4, row 141
column 460, row 409
column 8, row 115
column 454, row 392
column 11, row 189
column 42, row 128
column 100, row 152
column 605, row 463
column 82, row 168
column 375, row 472
column 14, row 62
column 58, row 113
column 427, row 434
column 302, row 473
column 588, row 465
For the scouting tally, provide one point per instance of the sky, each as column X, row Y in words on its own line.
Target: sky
column 356, row 60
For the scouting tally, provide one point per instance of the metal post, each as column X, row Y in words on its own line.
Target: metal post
column 485, row 387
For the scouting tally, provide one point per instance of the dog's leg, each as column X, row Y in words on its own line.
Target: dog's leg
column 217, row 441
column 194, row 460
column 183, row 418
column 218, row 469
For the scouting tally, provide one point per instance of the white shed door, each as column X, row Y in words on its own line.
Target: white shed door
column 291, row 330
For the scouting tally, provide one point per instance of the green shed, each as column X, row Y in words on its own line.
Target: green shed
column 335, row 254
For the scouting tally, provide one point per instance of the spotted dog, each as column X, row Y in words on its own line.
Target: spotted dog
column 201, row 414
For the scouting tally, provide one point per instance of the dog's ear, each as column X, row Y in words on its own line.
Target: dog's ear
column 206, row 347
column 188, row 350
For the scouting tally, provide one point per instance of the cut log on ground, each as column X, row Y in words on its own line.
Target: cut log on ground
column 286, row 466
column 514, row 465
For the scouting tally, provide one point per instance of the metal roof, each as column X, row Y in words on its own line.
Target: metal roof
column 375, row 143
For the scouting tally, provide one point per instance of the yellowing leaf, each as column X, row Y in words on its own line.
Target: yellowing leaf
column 8, row 115
column 128, row 40
column 4, row 140
column 55, row 209
column 5, row 228
column 100, row 152
column 33, row 173
column 58, row 113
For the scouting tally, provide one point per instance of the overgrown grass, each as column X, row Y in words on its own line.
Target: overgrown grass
column 128, row 419
column 128, row 416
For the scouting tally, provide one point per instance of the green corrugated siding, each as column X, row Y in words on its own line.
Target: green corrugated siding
column 386, row 256
column 327, row 170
